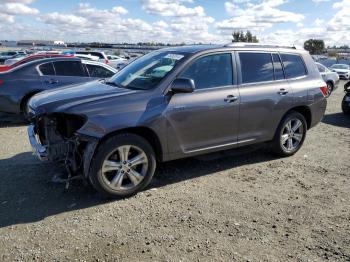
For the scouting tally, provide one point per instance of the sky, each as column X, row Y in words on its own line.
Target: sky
column 287, row 22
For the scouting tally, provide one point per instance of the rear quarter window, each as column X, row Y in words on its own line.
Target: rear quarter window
column 47, row 69
column 294, row 65
column 69, row 68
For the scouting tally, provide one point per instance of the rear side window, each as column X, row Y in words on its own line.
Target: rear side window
column 99, row 71
column 277, row 67
column 293, row 65
column 210, row 71
column 321, row 68
column 256, row 67
column 69, row 68
column 47, row 69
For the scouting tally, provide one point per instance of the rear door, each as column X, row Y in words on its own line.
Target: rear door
column 69, row 72
column 62, row 73
column 265, row 95
column 48, row 75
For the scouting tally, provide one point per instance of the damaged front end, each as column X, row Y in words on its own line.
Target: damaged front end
column 54, row 138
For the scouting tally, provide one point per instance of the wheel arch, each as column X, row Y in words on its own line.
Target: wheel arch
column 145, row 132
column 305, row 111
column 26, row 98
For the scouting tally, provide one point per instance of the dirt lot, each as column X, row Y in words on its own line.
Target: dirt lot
column 223, row 207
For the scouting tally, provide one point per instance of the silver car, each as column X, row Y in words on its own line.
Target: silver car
column 330, row 77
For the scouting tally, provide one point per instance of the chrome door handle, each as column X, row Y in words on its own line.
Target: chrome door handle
column 282, row 92
column 51, row 81
column 230, row 99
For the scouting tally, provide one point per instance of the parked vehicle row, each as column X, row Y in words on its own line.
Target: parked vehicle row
column 14, row 58
column 20, row 83
column 22, row 60
column 175, row 103
column 10, row 55
column 111, row 60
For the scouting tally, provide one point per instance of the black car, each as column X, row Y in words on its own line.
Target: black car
column 18, row 85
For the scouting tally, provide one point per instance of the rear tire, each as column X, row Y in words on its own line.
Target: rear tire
column 290, row 134
column 122, row 166
column 345, row 106
column 330, row 87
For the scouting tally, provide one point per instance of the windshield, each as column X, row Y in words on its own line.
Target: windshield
column 146, row 72
column 340, row 66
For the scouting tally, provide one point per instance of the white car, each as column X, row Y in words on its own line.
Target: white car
column 98, row 69
column 88, row 57
column 102, row 57
column 115, row 61
column 342, row 70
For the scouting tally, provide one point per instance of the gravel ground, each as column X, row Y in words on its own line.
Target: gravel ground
column 222, row 207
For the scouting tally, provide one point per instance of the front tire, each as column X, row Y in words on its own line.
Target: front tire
column 290, row 134
column 122, row 166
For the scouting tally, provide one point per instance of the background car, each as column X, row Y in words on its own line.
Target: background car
column 10, row 54
column 87, row 57
column 19, row 84
column 331, row 78
column 342, row 70
column 102, row 57
column 115, row 61
column 27, row 59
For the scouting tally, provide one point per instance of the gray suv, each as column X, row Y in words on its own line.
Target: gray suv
column 176, row 103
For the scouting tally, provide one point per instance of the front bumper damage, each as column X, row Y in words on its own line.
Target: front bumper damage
column 55, row 138
column 38, row 149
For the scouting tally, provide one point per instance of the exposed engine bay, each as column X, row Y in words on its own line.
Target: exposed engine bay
column 59, row 142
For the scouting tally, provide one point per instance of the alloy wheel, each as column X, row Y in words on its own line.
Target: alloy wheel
column 124, row 168
column 330, row 89
column 292, row 135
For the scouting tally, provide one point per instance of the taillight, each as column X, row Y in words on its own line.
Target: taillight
column 324, row 91
column 106, row 61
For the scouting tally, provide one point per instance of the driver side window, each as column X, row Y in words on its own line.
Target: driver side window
column 210, row 71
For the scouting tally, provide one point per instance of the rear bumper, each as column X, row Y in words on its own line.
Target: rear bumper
column 39, row 150
column 318, row 110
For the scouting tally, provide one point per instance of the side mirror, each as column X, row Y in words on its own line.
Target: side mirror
column 182, row 85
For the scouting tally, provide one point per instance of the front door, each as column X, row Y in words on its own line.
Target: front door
column 207, row 118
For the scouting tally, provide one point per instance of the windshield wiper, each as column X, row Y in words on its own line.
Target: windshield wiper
column 113, row 84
